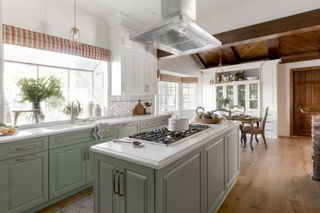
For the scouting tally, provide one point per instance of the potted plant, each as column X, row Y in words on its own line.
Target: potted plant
column 239, row 76
column 38, row 90
column 224, row 102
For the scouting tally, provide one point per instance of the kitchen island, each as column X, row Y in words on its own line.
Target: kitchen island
column 192, row 176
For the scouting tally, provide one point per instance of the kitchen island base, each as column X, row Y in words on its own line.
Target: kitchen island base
column 198, row 182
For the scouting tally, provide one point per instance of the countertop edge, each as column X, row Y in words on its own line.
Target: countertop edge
column 157, row 165
column 112, row 122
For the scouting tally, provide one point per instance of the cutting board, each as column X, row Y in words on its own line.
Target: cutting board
column 139, row 109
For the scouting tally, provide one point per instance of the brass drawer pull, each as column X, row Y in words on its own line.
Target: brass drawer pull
column 116, row 184
column 24, row 148
column 121, row 184
column 26, row 158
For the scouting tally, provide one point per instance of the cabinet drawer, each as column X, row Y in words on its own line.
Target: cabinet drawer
column 23, row 147
column 126, row 129
column 148, row 123
column 162, row 121
column 70, row 138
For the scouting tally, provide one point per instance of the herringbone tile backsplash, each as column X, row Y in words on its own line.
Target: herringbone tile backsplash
column 121, row 106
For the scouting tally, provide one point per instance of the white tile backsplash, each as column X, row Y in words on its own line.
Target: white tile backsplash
column 121, row 106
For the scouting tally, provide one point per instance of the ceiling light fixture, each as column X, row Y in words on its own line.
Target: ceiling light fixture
column 217, row 76
column 75, row 32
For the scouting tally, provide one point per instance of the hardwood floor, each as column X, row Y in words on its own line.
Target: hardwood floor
column 273, row 180
column 59, row 205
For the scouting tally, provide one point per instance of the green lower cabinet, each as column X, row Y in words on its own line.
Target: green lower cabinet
column 126, row 129
column 122, row 187
column 179, row 185
column 67, row 169
column 214, row 180
column 233, row 152
column 23, row 182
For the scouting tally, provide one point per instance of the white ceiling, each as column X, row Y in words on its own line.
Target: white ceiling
column 148, row 11
column 213, row 15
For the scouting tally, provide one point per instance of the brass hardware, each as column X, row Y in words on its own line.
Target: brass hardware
column 121, row 189
column 116, row 185
column 26, row 158
column 27, row 147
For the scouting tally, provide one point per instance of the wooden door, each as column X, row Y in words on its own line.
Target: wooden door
column 306, row 96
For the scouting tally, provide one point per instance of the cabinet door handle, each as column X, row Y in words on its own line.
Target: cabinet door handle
column 26, row 158
column 121, row 184
column 84, row 152
column 116, row 184
column 24, row 148
column 88, row 154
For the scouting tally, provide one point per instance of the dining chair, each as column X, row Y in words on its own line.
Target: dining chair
column 237, row 110
column 257, row 130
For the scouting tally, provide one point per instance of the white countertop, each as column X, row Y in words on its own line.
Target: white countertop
column 158, row 156
column 64, row 128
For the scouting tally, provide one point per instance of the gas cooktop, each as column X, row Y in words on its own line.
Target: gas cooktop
column 163, row 136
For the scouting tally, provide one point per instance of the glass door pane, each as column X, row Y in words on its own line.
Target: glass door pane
column 253, row 96
column 230, row 94
column 219, row 96
column 242, row 95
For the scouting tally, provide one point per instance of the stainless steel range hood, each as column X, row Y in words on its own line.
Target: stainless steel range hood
column 178, row 33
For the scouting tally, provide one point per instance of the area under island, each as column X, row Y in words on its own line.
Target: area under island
column 191, row 176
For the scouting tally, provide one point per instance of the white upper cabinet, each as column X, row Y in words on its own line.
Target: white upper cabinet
column 133, row 68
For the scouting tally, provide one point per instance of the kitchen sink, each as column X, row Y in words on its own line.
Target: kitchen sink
column 69, row 126
column 62, row 126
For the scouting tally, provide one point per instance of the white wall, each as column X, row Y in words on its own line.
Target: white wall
column 258, row 12
column 55, row 18
column 284, row 93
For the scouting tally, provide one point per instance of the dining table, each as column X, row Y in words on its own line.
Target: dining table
column 246, row 120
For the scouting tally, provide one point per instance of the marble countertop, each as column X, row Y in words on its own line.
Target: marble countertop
column 64, row 128
column 158, row 156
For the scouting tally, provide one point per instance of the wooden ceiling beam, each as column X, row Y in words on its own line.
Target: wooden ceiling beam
column 231, row 55
column 273, row 48
column 303, row 22
column 199, row 61
column 301, row 57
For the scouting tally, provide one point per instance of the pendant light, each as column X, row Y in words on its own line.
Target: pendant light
column 75, row 32
column 217, row 77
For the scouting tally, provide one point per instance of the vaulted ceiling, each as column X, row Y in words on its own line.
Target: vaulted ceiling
column 293, row 38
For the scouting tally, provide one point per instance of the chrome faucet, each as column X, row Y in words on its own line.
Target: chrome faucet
column 75, row 113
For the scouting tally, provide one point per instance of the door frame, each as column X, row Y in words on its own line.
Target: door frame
column 292, row 71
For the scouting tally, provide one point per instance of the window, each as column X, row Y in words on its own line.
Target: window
column 189, row 96
column 76, row 74
column 168, row 96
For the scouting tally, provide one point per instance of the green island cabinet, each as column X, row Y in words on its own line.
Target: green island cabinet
column 196, row 183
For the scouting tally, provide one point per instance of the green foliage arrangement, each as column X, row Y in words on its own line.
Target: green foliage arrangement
column 41, row 89
column 224, row 101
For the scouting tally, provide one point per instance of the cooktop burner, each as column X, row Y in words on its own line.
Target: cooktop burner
column 163, row 136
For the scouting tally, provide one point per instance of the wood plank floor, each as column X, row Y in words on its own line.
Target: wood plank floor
column 273, row 180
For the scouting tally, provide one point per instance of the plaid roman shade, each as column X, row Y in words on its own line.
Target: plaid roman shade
column 176, row 79
column 27, row 38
